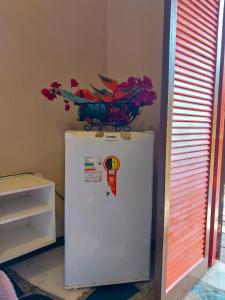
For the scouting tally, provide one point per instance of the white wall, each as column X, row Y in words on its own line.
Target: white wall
column 135, row 38
column 43, row 41
column 47, row 40
column 135, row 45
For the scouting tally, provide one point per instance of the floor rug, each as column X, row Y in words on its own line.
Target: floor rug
column 112, row 292
column 21, row 295
column 17, row 289
column 35, row 297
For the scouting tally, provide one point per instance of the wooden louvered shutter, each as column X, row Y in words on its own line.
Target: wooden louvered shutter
column 191, row 135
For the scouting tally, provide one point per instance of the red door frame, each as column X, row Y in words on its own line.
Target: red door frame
column 218, row 161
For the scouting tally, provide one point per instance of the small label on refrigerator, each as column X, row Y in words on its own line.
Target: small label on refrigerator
column 111, row 165
column 93, row 169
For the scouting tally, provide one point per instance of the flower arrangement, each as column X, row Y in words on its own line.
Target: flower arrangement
column 117, row 104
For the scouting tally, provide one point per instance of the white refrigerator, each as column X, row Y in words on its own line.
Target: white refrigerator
column 108, row 207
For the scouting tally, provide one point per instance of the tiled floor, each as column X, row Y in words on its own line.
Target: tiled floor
column 203, row 291
column 212, row 285
column 222, row 251
column 216, row 276
column 222, row 255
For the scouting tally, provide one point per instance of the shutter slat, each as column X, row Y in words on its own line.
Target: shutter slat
column 191, row 119
column 189, row 130
column 187, row 177
column 186, row 105
column 195, row 246
column 189, row 185
column 195, row 23
column 188, row 236
column 193, row 44
column 211, row 5
column 203, row 38
column 193, row 61
column 189, row 79
column 193, row 15
column 189, row 149
column 193, row 101
column 195, row 27
column 186, row 192
column 182, row 235
column 208, row 21
column 190, row 112
column 185, row 266
column 214, row 3
column 176, row 179
column 186, row 137
column 189, row 167
column 190, row 125
column 189, row 161
column 192, row 87
column 188, row 219
column 186, row 66
column 185, row 48
column 193, row 198
column 189, row 93
column 185, row 221
column 187, row 209
column 207, row 9
column 195, row 250
column 181, row 144
column 194, row 236
column 192, row 74
column 189, row 155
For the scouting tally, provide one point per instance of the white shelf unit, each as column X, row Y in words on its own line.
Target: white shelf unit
column 27, row 215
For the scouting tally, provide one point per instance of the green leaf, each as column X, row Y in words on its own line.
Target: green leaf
column 111, row 84
column 102, row 92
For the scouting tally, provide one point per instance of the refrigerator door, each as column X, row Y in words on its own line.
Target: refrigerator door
column 108, row 205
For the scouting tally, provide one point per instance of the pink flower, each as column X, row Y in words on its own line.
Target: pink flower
column 147, row 83
column 131, row 81
column 74, row 83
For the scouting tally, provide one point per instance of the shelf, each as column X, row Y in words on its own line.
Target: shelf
column 19, row 208
column 14, row 184
column 21, row 240
column 27, row 215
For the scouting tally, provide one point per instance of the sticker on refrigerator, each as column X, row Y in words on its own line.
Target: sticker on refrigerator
column 93, row 169
column 112, row 165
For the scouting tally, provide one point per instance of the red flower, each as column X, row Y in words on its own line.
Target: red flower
column 56, row 85
column 74, row 83
column 45, row 92
column 48, row 94
column 67, row 105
